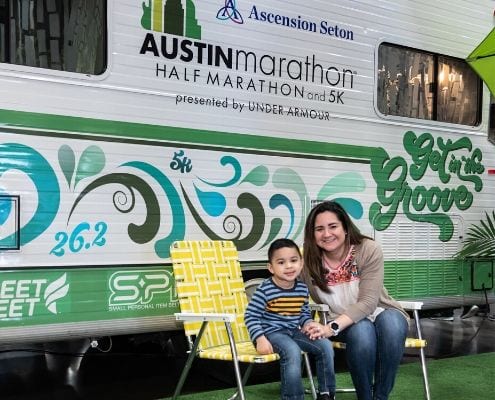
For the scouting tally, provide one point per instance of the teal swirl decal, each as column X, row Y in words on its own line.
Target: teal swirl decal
column 126, row 201
column 258, row 176
column 213, row 203
column 232, row 222
column 279, row 200
column 178, row 223
column 345, row 182
column 288, row 179
column 250, row 207
column 5, row 208
column 236, row 166
column 15, row 156
column 91, row 163
column 285, row 184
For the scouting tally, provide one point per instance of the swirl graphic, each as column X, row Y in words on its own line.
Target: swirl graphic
column 213, row 203
column 91, row 163
column 162, row 246
column 244, row 201
column 122, row 202
column 258, row 176
column 276, row 224
column 228, row 160
column 138, row 233
column 288, row 179
column 231, row 224
column 5, row 207
column 125, row 202
column 19, row 157
column 67, row 162
column 345, row 182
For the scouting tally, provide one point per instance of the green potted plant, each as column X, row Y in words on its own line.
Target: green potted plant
column 480, row 240
column 479, row 243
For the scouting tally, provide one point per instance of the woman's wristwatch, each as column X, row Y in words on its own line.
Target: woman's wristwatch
column 335, row 327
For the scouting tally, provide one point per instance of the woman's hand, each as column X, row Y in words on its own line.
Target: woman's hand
column 263, row 345
column 314, row 330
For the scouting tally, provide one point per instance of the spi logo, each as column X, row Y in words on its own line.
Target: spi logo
column 140, row 287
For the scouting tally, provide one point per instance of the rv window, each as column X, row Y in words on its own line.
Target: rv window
column 417, row 84
column 458, row 92
column 66, row 35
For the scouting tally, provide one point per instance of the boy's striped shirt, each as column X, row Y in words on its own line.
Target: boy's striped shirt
column 273, row 308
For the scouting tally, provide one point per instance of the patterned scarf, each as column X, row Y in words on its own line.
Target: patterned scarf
column 346, row 272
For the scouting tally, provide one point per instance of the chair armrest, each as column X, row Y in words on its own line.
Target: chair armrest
column 211, row 317
column 319, row 307
column 321, row 310
column 411, row 305
column 407, row 305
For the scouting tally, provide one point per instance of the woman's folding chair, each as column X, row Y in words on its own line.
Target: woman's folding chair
column 212, row 300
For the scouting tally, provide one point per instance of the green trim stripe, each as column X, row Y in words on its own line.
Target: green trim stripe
column 120, row 129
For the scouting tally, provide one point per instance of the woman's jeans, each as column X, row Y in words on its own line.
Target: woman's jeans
column 288, row 343
column 374, row 351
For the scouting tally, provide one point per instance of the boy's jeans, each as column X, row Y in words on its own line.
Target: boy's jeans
column 374, row 351
column 288, row 343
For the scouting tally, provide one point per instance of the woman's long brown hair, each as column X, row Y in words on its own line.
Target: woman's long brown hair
column 313, row 265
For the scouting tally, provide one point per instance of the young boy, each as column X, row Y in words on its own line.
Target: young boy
column 277, row 312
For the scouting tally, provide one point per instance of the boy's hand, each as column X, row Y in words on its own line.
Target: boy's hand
column 263, row 345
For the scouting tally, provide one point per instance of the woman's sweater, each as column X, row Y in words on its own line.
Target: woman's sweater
column 372, row 296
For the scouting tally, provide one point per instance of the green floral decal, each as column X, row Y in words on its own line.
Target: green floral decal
column 397, row 190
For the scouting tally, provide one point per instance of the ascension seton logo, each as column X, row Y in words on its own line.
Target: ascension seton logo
column 230, row 12
column 170, row 16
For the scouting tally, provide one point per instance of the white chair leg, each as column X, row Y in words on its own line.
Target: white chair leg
column 310, row 375
column 244, row 381
column 422, row 356
column 237, row 370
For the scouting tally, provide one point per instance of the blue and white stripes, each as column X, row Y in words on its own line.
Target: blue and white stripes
column 273, row 308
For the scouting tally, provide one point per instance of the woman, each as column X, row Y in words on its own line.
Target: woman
column 344, row 269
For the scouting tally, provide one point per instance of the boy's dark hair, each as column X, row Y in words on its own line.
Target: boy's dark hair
column 281, row 243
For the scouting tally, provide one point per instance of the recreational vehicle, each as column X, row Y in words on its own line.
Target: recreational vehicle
column 126, row 125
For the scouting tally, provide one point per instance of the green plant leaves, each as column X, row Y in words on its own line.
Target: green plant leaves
column 480, row 241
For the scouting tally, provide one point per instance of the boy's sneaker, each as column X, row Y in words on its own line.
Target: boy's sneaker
column 325, row 396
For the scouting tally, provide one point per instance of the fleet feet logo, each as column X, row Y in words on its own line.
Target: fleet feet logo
column 177, row 17
column 230, row 11
column 22, row 297
column 54, row 292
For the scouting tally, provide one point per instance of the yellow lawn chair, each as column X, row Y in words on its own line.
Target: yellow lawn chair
column 212, row 300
